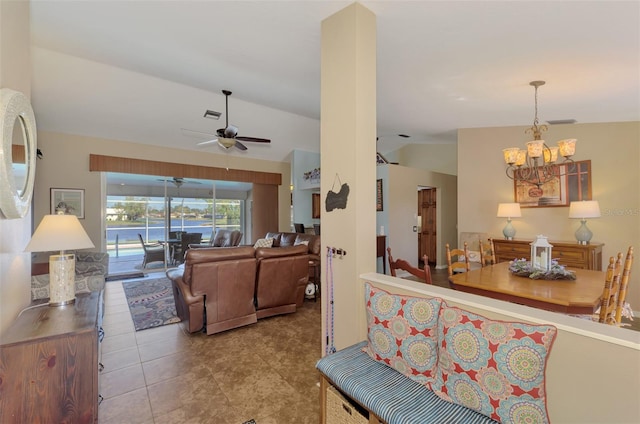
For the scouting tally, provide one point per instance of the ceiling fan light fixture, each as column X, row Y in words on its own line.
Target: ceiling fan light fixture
column 212, row 114
column 227, row 143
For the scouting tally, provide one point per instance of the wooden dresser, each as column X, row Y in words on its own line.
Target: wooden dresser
column 570, row 254
column 49, row 359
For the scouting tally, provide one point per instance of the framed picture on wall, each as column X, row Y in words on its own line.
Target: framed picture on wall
column 572, row 182
column 68, row 200
column 379, row 196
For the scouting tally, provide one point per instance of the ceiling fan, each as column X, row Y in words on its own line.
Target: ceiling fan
column 228, row 136
column 178, row 181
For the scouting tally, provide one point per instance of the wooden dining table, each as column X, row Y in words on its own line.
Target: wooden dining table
column 579, row 296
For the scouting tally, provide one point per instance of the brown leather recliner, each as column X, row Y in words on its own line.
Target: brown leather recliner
column 220, row 281
column 221, row 238
column 282, row 276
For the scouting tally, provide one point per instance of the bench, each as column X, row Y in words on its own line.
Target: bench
column 385, row 394
column 425, row 361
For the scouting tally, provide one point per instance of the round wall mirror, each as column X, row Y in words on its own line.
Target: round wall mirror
column 18, row 153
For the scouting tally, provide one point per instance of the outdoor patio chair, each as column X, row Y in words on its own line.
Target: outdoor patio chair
column 152, row 252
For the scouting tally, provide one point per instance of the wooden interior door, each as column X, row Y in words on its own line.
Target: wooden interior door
column 427, row 237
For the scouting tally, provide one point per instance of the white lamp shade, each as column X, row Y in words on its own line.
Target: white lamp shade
column 509, row 210
column 584, row 209
column 59, row 232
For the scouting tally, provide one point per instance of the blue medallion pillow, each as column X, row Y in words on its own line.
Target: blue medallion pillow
column 494, row 367
column 402, row 332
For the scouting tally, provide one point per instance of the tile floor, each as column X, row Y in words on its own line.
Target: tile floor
column 264, row 371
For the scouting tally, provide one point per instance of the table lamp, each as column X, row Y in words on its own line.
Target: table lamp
column 60, row 232
column 582, row 210
column 509, row 210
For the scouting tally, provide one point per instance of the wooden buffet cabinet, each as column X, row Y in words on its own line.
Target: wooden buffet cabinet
column 569, row 254
column 49, row 359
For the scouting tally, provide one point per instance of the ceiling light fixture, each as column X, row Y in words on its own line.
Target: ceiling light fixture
column 537, row 164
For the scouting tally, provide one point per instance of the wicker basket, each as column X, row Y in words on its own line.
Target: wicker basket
column 341, row 411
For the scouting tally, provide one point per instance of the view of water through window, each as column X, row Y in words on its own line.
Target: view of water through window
column 128, row 216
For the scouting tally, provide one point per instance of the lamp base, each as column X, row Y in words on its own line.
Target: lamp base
column 583, row 234
column 509, row 231
column 62, row 279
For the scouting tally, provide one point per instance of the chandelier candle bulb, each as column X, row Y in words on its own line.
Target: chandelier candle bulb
column 567, row 147
column 534, row 148
column 551, row 154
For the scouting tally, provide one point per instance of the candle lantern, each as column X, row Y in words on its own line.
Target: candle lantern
column 541, row 254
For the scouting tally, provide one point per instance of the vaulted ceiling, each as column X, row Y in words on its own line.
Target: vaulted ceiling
column 141, row 71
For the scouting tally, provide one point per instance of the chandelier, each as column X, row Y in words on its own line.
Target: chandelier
column 537, row 164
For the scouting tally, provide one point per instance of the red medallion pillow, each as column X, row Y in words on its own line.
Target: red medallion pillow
column 402, row 332
column 494, row 367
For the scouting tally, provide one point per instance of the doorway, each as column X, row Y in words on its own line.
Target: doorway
column 427, row 236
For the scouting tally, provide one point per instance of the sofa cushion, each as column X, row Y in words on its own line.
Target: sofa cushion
column 265, row 252
column 390, row 395
column 276, row 238
column 263, row 242
column 494, row 367
column 402, row 332
column 213, row 254
column 92, row 263
column 84, row 284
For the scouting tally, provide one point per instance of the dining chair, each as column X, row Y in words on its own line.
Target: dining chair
column 487, row 252
column 424, row 274
column 624, row 282
column 181, row 249
column 461, row 262
column 152, row 252
column 609, row 300
column 299, row 228
column 316, row 229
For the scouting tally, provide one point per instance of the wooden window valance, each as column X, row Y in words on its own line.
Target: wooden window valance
column 100, row 163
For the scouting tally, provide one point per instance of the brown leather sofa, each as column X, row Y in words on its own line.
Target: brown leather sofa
column 283, row 274
column 221, row 238
column 283, row 239
column 219, row 288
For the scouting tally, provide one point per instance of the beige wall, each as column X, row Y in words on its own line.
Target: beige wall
column 348, row 128
column 66, row 165
column 401, row 199
column 15, row 73
column 614, row 151
column 434, row 157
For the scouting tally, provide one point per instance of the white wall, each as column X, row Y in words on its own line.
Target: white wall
column 15, row 264
column 302, row 211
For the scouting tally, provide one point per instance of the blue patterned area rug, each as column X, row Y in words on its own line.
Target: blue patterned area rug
column 150, row 302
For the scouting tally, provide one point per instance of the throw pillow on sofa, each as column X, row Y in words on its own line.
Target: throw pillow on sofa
column 263, row 243
column 494, row 367
column 402, row 332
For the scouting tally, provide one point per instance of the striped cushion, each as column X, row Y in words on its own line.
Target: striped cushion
column 390, row 395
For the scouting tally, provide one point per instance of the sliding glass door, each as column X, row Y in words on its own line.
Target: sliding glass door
column 159, row 210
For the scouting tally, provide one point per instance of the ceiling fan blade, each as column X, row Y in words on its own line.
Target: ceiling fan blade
column 254, row 139
column 206, row 143
column 240, row 145
column 196, row 134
